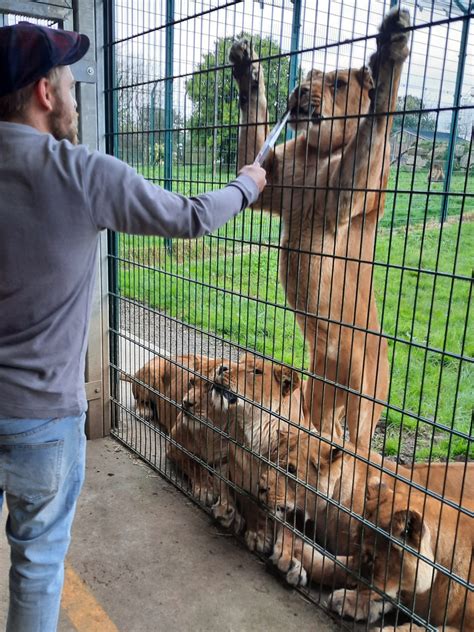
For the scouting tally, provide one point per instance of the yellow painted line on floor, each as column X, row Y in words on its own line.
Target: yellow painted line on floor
column 81, row 607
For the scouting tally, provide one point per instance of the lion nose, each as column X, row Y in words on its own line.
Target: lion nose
column 262, row 489
column 188, row 403
column 222, row 369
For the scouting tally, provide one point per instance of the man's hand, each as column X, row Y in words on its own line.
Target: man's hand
column 257, row 173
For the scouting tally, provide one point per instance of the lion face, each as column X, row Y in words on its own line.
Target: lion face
column 401, row 516
column 252, row 380
column 307, row 461
column 320, row 105
column 200, row 399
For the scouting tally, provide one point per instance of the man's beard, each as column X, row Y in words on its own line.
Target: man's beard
column 64, row 127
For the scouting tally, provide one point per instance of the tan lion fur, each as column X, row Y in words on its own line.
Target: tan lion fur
column 442, row 534
column 327, row 184
column 341, row 475
column 266, row 394
column 160, row 384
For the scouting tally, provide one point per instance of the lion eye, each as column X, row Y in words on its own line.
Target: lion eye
column 339, row 84
column 258, row 371
column 291, row 468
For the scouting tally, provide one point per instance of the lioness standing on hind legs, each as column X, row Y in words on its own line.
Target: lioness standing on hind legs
column 328, row 186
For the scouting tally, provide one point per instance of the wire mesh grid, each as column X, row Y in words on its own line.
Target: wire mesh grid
column 305, row 373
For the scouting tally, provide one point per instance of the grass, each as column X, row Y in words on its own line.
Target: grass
column 228, row 284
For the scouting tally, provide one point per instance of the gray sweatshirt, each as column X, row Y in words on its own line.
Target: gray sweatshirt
column 55, row 199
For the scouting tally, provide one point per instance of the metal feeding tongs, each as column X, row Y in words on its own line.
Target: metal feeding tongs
column 271, row 139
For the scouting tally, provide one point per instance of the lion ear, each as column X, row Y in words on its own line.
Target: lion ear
column 288, row 379
column 282, row 445
column 364, row 77
column 336, row 453
column 407, row 524
column 314, row 74
column 375, row 494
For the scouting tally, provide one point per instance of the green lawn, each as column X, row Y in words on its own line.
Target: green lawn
column 223, row 283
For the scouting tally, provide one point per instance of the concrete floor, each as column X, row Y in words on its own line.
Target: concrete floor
column 144, row 558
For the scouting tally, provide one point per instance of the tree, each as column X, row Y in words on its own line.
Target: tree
column 215, row 110
column 427, row 120
column 140, row 113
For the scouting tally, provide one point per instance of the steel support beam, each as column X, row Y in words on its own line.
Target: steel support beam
column 168, row 179
column 448, row 170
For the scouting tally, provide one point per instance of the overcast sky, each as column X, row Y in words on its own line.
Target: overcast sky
column 430, row 71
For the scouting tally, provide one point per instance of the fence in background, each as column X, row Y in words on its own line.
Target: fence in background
column 173, row 113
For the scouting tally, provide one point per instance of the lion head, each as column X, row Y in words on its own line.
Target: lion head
column 320, row 106
column 252, row 381
column 399, row 518
column 199, row 403
column 307, row 459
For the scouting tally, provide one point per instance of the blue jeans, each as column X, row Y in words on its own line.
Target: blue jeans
column 42, row 463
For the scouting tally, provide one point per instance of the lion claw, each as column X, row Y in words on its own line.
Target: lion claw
column 241, row 58
column 393, row 34
column 261, row 541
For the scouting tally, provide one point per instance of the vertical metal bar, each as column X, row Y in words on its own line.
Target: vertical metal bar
column 454, row 118
column 152, row 124
column 83, row 20
column 168, row 184
column 214, row 143
column 111, row 127
column 295, row 41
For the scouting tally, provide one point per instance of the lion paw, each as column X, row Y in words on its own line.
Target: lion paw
column 260, row 541
column 297, row 575
column 357, row 605
column 224, row 512
column 204, row 495
column 345, row 604
column 291, row 568
column 393, row 35
column 241, row 57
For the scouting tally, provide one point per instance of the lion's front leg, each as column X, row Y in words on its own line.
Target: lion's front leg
column 356, row 187
column 287, row 557
column 259, row 534
column 248, row 75
column 386, row 63
column 360, row 605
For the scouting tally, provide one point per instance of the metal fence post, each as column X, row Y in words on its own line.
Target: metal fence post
column 168, row 184
column 111, row 146
column 455, row 115
column 295, row 42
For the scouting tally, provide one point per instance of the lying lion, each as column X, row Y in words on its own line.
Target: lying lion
column 200, row 434
column 258, row 396
column 221, row 421
column 442, row 534
column 158, row 386
column 328, row 186
column 340, row 476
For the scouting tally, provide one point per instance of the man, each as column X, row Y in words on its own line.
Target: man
column 55, row 198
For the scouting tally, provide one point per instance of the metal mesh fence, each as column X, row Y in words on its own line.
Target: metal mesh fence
column 305, row 373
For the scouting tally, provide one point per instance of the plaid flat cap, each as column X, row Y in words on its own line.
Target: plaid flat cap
column 29, row 51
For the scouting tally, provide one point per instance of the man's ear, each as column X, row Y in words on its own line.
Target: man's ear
column 44, row 94
column 407, row 524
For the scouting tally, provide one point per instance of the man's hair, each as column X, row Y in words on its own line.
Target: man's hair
column 13, row 106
